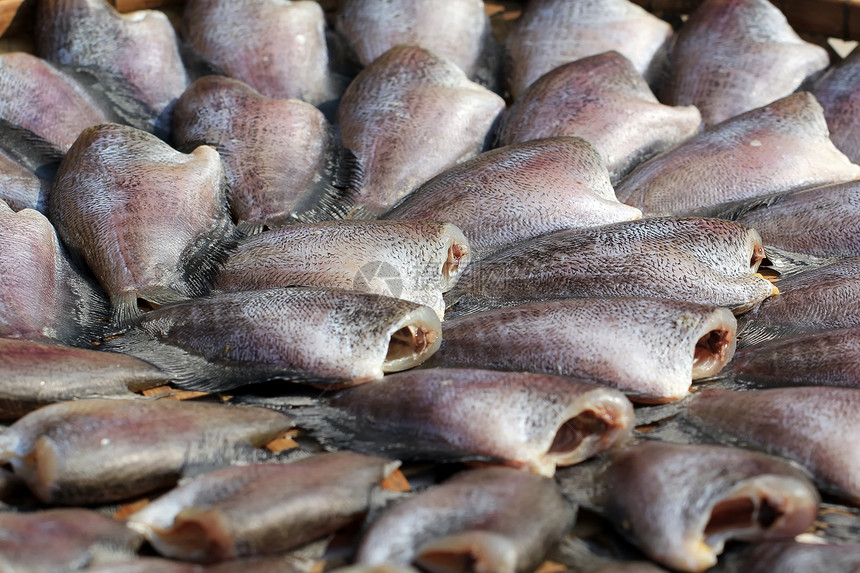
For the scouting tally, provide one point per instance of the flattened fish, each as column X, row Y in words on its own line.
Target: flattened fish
column 815, row 426
column 102, row 450
column 554, row 32
column 732, row 56
column 491, row 519
column 519, row 192
column 415, row 261
column 41, row 295
column 62, row 540
column 282, row 156
column 793, row 557
column 681, row 503
column 276, row 46
column 604, row 100
column 409, row 116
column 35, row 374
column 705, row 261
column 778, row 148
column 150, row 221
column 650, row 349
column 328, row 337
column 133, row 57
column 20, row 188
column 458, row 30
column 531, row 421
column 262, row 508
column 838, row 92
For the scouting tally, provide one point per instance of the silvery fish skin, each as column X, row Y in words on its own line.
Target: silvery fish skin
column 819, row 299
column 681, row 503
column 41, row 295
column 705, row 261
column 518, row 419
column 411, row 260
column 814, row 426
column 442, row 118
column 103, row 450
column 135, row 56
column 40, row 98
column 36, row 373
column 491, row 519
column 281, row 564
column 519, row 192
column 824, row 358
column 148, row 220
column 276, row 46
column 650, row 349
column 328, row 337
column 606, row 101
column 62, row 540
column 282, row 156
column 794, row 557
column 821, row 221
column 20, row 188
column 554, row 32
column 262, row 508
column 732, row 56
column 837, row 91
column 460, row 31
column 777, row 148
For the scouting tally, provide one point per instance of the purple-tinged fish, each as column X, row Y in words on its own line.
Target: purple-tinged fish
column 651, row 349
column 62, row 540
column 781, row 147
column 518, row 419
column 815, row 426
column 681, row 503
column 794, row 557
column 732, row 56
column 519, row 192
column 20, row 188
column 261, row 509
column 326, row 337
column 277, row 47
column 134, row 57
column 492, row 519
column 411, row 260
column 838, row 92
column 551, row 33
column 409, row 116
column 604, row 100
column 150, row 222
column 282, row 156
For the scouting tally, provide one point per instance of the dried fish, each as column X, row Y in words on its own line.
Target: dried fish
column 794, row 557
column 20, row 188
column 837, row 91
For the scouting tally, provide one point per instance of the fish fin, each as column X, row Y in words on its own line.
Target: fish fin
column 736, row 209
column 248, row 228
column 30, row 150
column 457, row 305
column 161, row 296
column 89, row 312
column 204, row 457
column 789, row 263
column 334, row 196
column 203, row 258
column 125, row 310
column 752, row 332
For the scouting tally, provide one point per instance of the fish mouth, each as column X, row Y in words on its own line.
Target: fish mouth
column 467, row 552
column 458, row 256
column 716, row 347
column 413, row 340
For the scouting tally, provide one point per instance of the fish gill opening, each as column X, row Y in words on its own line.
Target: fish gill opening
column 447, row 562
column 741, row 514
column 202, row 538
column 408, row 344
column 456, row 253
column 711, row 352
column 574, row 431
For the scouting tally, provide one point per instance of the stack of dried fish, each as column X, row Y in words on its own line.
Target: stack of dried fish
column 397, row 322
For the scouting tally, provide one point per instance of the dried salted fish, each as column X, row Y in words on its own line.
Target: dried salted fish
column 409, row 116
column 705, row 261
column 41, row 295
column 150, row 221
column 554, row 32
column 837, row 92
column 794, row 557
column 415, row 261
column 20, row 188
column 134, row 58
column 491, row 519
column 276, row 46
column 533, row 421
column 604, row 100
column 282, row 156
column 815, row 426
column 281, row 564
column 681, row 503
column 732, row 56
column 781, row 147
column 519, row 192
column 102, row 450
column 36, row 373
column 62, row 540
column 651, row 349
column 327, row 337
column 261, row 508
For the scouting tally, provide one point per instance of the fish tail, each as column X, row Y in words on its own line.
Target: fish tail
column 125, row 310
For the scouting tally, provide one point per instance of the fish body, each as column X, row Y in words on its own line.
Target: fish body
column 519, row 192
column 20, row 188
column 795, row 557
column 606, row 101
column 777, row 148
column 837, row 91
